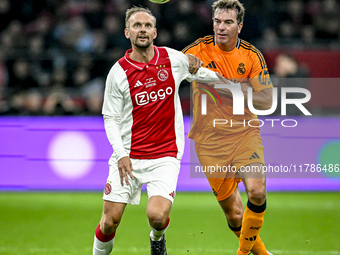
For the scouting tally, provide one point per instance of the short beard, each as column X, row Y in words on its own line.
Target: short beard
column 142, row 45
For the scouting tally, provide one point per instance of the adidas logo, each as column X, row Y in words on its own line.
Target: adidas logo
column 172, row 194
column 254, row 156
column 255, row 228
column 251, row 238
column 211, row 65
column 215, row 193
column 138, row 84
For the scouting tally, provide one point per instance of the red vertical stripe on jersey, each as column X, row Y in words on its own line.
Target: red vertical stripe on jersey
column 152, row 91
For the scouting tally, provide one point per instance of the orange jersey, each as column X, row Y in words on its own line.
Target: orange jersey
column 243, row 64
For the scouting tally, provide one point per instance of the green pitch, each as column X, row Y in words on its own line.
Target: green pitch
column 64, row 223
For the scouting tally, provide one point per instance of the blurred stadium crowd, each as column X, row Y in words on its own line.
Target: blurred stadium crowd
column 55, row 54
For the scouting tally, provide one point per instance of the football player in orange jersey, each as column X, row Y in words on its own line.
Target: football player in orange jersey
column 235, row 143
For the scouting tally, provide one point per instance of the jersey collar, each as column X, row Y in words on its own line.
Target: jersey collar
column 228, row 52
column 139, row 65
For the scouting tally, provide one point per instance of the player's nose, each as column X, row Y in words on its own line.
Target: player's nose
column 222, row 27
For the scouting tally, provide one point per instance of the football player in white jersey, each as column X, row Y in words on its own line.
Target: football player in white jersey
column 144, row 124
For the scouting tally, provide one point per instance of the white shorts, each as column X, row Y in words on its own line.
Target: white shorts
column 160, row 176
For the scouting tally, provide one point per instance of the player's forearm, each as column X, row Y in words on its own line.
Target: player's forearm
column 113, row 134
column 224, row 92
column 262, row 100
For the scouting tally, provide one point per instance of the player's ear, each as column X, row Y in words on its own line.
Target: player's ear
column 240, row 27
column 127, row 33
column 155, row 34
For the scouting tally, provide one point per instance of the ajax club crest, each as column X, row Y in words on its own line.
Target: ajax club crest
column 162, row 75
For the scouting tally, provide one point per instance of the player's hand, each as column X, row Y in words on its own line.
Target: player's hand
column 125, row 169
column 194, row 63
column 221, row 77
column 224, row 91
column 224, row 80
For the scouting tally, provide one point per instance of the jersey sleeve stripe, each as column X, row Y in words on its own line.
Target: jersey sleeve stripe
column 205, row 40
column 261, row 57
column 250, row 47
column 195, row 43
column 255, row 50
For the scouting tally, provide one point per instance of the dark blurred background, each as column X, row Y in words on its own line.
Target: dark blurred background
column 55, row 54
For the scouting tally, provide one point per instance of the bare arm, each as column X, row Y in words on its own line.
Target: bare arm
column 262, row 100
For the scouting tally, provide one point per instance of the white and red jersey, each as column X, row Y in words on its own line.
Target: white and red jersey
column 143, row 104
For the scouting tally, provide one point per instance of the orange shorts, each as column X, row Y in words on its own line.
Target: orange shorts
column 222, row 160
